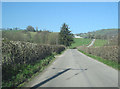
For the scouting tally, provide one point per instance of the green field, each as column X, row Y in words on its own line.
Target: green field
column 33, row 34
column 80, row 42
column 99, row 42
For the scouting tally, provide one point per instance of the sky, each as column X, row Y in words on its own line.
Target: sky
column 60, row 0
column 80, row 16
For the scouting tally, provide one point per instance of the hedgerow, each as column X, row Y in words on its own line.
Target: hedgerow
column 106, row 52
column 17, row 55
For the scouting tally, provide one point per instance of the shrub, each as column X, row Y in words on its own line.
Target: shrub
column 106, row 52
column 17, row 55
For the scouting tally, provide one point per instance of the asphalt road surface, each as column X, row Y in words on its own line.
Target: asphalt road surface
column 74, row 69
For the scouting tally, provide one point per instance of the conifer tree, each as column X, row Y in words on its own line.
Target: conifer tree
column 65, row 36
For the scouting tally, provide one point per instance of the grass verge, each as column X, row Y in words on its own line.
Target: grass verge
column 52, row 58
column 51, row 61
column 29, row 71
column 110, row 63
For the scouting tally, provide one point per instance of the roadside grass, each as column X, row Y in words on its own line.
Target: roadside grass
column 49, row 61
column 110, row 63
column 99, row 42
column 52, row 59
column 80, row 42
column 30, row 71
column 27, row 71
column 46, row 61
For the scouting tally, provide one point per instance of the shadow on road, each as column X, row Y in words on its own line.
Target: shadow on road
column 56, row 75
column 70, row 69
column 47, row 80
column 74, row 75
column 82, row 70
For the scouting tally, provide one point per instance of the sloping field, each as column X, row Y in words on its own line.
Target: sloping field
column 99, row 42
column 80, row 42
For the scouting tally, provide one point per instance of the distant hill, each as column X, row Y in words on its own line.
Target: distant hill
column 100, row 34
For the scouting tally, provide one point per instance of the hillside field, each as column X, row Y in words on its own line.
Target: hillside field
column 80, row 42
column 100, row 42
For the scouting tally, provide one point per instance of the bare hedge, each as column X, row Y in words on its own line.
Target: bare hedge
column 17, row 55
column 106, row 52
column 17, row 52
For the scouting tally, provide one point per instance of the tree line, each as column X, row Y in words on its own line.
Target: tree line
column 30, row 34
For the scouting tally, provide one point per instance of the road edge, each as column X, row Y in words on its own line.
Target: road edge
column 98, row 61
column 44, row 70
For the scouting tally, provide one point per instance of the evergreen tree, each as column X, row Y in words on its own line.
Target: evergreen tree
column 65, row 36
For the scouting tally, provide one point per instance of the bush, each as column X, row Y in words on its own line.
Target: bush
column 106, row 52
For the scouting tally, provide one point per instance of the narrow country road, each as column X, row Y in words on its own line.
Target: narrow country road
column 91, row 44
column 74, row 69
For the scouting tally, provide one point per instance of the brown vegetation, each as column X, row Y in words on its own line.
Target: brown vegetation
column 17, row 55
column 16, row 52
column 106, row 52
